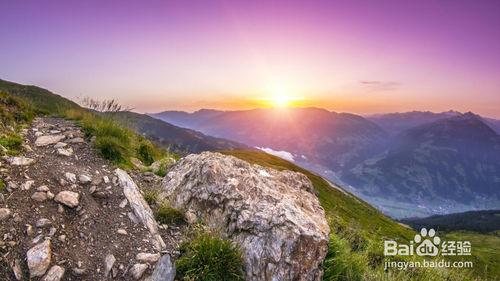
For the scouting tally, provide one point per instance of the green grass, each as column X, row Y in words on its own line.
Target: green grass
column 150, row 195
column 207, row 257
column 165, row 214
column 485, row 252
column 2, row 186
column 12, row 142
column 15, row 114
column 114, row 141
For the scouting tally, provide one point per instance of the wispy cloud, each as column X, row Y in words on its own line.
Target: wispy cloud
column 379, row 86
column 280, row 153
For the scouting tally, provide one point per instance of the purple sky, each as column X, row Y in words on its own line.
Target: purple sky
column 356, row 56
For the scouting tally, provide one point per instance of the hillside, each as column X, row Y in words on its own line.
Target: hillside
column 395, row 123
column 42, row 100
column 449, row 165
column 175, row 138
column 478, row 221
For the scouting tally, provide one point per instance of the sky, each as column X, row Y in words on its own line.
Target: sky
column 354, row 56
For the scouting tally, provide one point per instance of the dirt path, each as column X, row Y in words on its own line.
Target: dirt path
column 88, row 224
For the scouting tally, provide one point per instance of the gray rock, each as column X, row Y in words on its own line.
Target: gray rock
column 70, row 177
column 5, row 214
column 39, row 196
column 42, row 188
column 27, row 185
column 79, row 271
column 68, row 198
column 147, row 257
column 38, row 258
column 60, row 145
column 43, row 222
column 20, row 161
column 274, row 216
column 47, row 140
column 65, row 152
column 141, row 209
column 109, row 261
column 27, row 148
column 55, row 273
column 84, row 179
column 164, row 270
column 137, row 270
column 76, row 140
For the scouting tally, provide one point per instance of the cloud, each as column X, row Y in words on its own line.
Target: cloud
column 280, row 153
column 379, row 86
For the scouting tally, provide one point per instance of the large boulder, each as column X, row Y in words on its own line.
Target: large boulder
column 273, row 215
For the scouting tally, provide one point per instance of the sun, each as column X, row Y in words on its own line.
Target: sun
column 280, row 100
column 280, row 97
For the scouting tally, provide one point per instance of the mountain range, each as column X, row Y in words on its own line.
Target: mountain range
column 407, row 164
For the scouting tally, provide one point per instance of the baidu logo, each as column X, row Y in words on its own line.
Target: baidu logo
column 427, row 243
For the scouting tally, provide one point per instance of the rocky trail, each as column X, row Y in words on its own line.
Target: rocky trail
column 67, row 214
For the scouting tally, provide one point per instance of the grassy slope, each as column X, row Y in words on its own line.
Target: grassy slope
column 485, row 252
column 41, row 99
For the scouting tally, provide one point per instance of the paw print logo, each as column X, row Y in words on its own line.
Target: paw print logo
column 428, row 241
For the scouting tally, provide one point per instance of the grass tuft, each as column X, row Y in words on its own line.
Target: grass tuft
column 165, row 214
column 150, row 195
column 207, row 257
column 12, row 142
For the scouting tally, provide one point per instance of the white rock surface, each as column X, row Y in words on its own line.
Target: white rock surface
column 109, row 261
column 70, row 177
column 20, row 161
column 141, row 209
column 60, row 145
column 65, row 152
column 147, row 257
column 38, row 258
column 68, row 198
column 137, row 270
column 27, row 185
column 276, row 219
column 5, row 214
column 55, row 273
column 164, row 270
column 84, row 179
column 47, row 140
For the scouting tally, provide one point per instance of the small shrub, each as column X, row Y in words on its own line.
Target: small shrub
column 162, row 171
column 209, row 258
column 112, row 149
column 165, row 214
column 146, row 152
column 150, row 195
column 12, row 142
